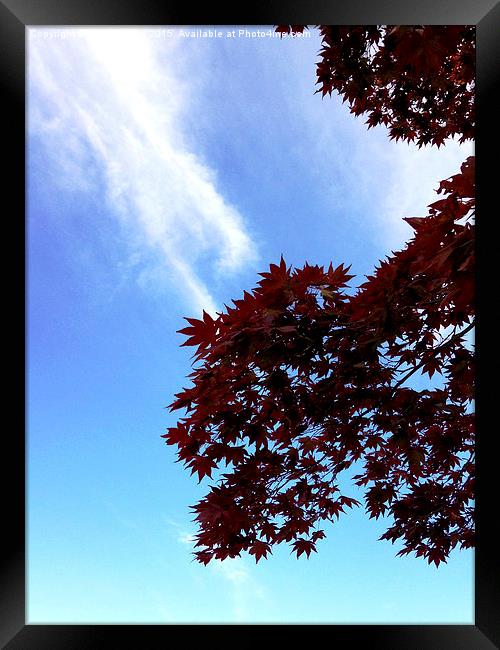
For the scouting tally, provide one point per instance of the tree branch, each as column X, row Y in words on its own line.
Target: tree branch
column 439, row 347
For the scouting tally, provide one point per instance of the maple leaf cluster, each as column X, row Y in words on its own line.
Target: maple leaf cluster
column 306, row 377
column 417, row 80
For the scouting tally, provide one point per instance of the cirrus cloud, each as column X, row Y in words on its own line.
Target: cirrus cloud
column 111, row 107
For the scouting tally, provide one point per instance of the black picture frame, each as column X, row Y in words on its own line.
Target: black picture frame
column 15, row 17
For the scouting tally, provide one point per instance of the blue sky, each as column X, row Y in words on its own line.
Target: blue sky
column 165, row 172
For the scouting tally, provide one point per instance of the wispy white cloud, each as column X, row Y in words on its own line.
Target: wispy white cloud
column 234, row 573
column 379, row 180
column 244, row 587
column 181, row 534
column 186, row 538
column 109, row 102
column 372, row 181
column 232, row 569
column 414, row 178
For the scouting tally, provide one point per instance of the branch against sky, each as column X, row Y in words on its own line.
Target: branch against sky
column 302, row 378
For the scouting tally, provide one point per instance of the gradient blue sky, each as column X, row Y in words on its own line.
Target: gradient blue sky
column 164, row 173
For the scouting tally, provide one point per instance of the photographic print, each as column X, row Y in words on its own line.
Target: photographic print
column 325, row 268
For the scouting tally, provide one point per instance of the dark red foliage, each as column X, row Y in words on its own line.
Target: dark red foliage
column 417, row 80
column 305, row 378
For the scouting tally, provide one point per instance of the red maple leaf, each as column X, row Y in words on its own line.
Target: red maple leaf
column 304, row 546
